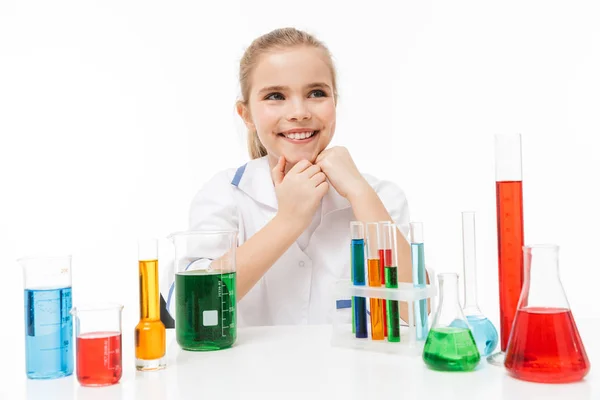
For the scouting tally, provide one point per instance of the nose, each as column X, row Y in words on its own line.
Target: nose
column 298, row 111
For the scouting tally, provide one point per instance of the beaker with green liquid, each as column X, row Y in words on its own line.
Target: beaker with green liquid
column 205, row 289
column 450, row 345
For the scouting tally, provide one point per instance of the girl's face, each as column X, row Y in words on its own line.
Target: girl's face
column 291, row 104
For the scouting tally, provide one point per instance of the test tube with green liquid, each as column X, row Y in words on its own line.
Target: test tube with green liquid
column 388, row 257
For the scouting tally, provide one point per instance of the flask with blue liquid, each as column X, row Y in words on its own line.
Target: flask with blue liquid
column 484, row 332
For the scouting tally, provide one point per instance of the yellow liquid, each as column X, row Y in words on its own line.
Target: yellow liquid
column 376, row 304
column 150, row 333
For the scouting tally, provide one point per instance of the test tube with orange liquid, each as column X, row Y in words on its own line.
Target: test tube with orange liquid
column 150, row 333
column 374, row 273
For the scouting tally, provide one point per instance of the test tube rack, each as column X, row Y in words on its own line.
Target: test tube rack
column 342, row 335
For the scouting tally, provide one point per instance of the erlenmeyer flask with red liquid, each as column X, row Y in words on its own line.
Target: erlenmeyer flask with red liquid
column 544, row 344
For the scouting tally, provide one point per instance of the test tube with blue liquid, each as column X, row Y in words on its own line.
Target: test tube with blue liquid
column 419, row 276
column 357, row 231
column 48, row 324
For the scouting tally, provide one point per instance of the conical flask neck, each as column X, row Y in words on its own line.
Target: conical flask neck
column 449, row 291
column 449, row 311
column 542, row 286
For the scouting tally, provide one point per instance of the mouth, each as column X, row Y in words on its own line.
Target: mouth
column 299, row 136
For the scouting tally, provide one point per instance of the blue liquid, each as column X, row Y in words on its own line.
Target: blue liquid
column 358, row 278
column 417, row 251
column 48, row 333
column 486, row 336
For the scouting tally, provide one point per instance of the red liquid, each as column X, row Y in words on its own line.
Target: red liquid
column 99, row 358
column 385, row 260
column 509, row 211
column 545, row 347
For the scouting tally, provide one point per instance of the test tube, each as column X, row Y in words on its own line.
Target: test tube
column 509, row 213
column 357, row 231
column 150, row 333
column 417, row 252
column 374, row 280
column 388, row 256
column 384, row 249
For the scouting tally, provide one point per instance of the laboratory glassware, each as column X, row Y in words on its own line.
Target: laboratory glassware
column 99, row 353
column 450, row 345
column 150, row 332
column 377, row 317
column 205, row 289
column 544, row 344
column 357, row 251
column 48, row 324
column 509, row 214
column 483, row 330
column 388, row 257
column 382, row 260
column 419, row 277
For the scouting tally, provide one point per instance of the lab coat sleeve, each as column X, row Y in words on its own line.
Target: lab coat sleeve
column 394, row 200
column 212, row 208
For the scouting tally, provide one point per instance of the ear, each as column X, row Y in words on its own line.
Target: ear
column 244, row 113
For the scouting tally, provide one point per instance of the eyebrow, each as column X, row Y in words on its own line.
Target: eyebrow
column 283, row 88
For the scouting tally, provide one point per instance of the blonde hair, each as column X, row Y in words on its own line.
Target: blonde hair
column 278, row 39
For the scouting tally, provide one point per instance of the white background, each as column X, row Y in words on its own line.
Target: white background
column 113, row 114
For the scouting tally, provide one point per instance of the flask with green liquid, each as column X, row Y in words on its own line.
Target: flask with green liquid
column 450, row 345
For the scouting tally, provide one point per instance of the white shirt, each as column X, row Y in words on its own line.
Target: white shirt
column 298, row 288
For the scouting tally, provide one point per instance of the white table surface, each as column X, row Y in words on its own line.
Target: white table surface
column 299, row 363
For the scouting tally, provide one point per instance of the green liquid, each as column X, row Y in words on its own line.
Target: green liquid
column 451, row 349
column 393, row 309
column 205, row 310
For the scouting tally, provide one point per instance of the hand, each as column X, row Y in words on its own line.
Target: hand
column 299, row 192
column 341, row 171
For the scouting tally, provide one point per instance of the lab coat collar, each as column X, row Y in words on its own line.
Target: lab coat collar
column 255, row 180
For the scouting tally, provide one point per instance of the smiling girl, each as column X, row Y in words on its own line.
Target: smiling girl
column 293, row 202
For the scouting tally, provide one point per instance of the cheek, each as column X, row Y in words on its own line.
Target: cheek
column 265, row 119
column 326, row 113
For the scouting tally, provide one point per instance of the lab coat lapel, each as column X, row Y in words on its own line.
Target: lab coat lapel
column 256, row 182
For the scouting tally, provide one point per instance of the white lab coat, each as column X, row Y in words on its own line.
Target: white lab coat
column 298, row 288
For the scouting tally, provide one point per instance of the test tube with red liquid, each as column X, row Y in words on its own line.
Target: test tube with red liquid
column 385, row 260
column 509, row 214
column 99, row 353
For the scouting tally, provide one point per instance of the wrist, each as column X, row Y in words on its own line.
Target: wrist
column 289, row 222
column 360, row 190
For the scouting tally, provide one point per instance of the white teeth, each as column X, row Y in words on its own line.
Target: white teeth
column 300, row 136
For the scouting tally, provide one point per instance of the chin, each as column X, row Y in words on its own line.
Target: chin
column 294, row 159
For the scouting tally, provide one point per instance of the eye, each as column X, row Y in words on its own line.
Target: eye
column 317, row 93
column 274, row 96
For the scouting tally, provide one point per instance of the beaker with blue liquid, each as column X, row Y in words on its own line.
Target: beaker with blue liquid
column 48, row 324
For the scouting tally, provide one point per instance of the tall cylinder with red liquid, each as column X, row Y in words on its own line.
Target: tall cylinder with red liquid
column 509, row 214
column 544, row 344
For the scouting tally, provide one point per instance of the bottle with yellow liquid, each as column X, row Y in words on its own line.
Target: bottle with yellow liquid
column 150, row 333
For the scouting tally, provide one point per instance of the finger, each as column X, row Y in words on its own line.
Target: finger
column 321, row 156
column 323, row 188
column 318, row 178
column 311, row 171
column 279, row 171
column 300, row 166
